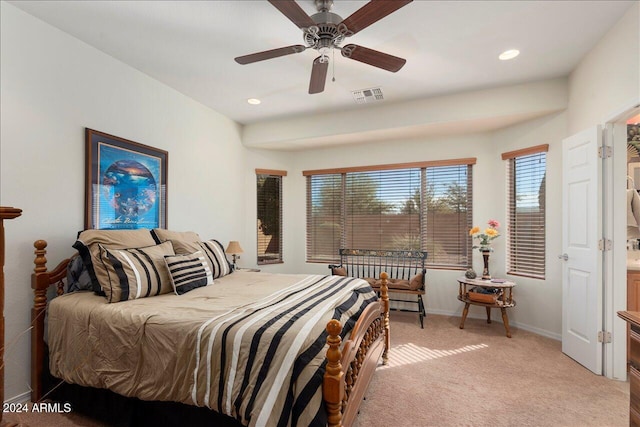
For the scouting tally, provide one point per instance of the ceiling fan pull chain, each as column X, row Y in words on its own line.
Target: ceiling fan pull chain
column 333, row 65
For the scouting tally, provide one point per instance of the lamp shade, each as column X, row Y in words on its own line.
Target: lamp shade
column 234, row 247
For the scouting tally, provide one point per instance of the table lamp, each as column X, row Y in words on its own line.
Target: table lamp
column 234, row 249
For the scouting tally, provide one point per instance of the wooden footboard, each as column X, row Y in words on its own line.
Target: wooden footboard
column 348, row 372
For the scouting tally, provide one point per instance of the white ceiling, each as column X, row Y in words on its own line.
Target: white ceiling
column 450, row 47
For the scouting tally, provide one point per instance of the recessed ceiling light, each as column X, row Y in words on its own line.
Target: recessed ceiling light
column 509, row 54
column 253, row 101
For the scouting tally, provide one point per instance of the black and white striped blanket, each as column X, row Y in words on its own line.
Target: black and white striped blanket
column 263, row 363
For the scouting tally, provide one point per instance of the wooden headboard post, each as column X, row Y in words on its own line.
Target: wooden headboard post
column 41, row 279
column 39, row 284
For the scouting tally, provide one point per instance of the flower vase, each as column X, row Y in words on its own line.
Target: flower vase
column 485, row 271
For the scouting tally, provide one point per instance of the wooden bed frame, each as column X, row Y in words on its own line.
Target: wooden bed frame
column 348, row 371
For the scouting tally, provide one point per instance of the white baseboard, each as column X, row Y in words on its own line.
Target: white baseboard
column 21, row 398
column 544, row 333
column 522, row 326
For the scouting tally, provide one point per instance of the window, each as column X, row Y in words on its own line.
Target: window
column 269, row 228
column 411, row 206
column 324, row 217
column 526, row 180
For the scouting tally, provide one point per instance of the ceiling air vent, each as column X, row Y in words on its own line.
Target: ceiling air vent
column 365, row 96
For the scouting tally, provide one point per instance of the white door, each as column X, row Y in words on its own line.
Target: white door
column 582, row 264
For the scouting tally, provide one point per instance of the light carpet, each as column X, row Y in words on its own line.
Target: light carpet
column 444, row 376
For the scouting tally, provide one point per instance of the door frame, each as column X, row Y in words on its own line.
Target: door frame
column 614, row 228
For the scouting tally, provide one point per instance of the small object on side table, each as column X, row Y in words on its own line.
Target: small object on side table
column 253, row 270
column 497, row 293
column 485, row 271
column 486, row 295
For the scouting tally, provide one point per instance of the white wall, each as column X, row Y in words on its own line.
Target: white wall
column 450, row 114
column 53, row 86
column 607, row 80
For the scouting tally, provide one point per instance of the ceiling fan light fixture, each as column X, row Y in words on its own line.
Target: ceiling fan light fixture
column 325, row 31
column 324, row 5
column 254, row 101
column 509, row 54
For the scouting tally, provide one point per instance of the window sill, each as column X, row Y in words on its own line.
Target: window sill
column 530, row 276
column 269, row 262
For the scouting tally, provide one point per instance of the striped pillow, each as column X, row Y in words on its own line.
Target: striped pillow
column 213, row 253
column 88, row 246
column 136, row 273
column 188, row 272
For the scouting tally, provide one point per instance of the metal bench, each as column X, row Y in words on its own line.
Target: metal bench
column 406, row 270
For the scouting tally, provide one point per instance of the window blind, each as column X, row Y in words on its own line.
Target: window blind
column 448, row 216
column 269, row 216
column 526, row 243
column 383, row 210
column 324, row 217
column 417, row 206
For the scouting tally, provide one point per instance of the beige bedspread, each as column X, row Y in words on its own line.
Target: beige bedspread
column 251, row 345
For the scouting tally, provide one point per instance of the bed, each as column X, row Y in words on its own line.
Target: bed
column 264, row 349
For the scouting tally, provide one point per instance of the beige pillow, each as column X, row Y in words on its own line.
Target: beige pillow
column 88, row 243
column 413, row 285
column 162, row 235
column 136, row 272
column 371, row 281
column 394, row 284
column 339, row 271
column 416, row 282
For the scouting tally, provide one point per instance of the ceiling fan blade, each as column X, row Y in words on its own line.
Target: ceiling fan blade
column 294, row 12
column 268, row 54
column 371, row 12
column 318, row 75
column 373, row 57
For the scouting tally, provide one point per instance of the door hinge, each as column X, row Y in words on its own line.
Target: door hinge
column 605, row 244
column 604, row 337
column 605, row 151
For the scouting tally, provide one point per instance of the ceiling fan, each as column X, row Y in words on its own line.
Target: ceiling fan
column 324, row 31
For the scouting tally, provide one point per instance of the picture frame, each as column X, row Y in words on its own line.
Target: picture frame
column 126, row 183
